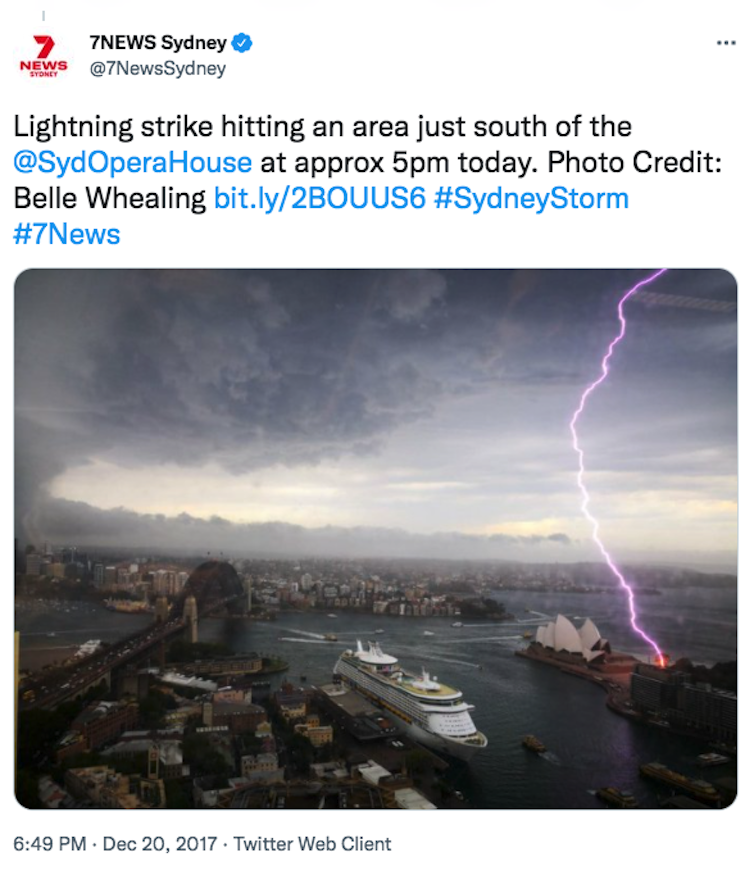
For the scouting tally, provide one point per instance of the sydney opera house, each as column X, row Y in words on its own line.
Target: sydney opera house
column 562, row 637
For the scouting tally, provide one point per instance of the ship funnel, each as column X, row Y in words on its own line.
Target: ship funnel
column 359, row 648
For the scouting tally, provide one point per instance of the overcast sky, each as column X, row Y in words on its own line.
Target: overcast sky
column 375, row 412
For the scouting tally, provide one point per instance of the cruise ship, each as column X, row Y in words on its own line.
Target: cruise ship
column 433, row 713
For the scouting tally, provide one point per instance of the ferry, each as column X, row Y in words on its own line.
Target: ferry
column 699, row 790
column 711, row 759
column 433, row 713
column 530, row 742
column 127, row 606
column 617, row 798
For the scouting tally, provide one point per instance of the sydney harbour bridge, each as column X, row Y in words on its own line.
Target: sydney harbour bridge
column 211, row 587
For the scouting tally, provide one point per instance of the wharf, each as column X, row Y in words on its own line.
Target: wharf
column 355, row 714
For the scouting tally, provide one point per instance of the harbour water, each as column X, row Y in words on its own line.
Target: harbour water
column 588, row 745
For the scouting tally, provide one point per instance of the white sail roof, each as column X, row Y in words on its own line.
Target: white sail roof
column 566, row 636
column 589, row 634
column 549, row 635
column 562, row 635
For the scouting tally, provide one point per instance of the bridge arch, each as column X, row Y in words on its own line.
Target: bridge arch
column 209, row 583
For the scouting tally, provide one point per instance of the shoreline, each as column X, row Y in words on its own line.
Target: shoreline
column 614, row 699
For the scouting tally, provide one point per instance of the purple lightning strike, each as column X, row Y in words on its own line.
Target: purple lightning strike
column 580, row 478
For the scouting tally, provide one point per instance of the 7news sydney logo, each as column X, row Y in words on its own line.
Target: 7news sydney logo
column 41, row 67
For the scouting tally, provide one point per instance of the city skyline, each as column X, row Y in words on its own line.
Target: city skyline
column 405, row 413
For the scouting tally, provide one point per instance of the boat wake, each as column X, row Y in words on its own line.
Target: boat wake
column 551, row 758
column 59, row 632
column 480, row 640
column 435, row 658
column 314, row 635
column 306, row 640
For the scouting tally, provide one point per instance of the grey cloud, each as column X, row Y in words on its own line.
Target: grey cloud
column 254, row 368
column 63, row 521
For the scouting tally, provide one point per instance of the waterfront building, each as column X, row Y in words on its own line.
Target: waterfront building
column 671, row 696
column 656, row 690
column 710, row 711
column 238, row 664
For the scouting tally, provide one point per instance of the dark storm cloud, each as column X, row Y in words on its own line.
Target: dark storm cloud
column 251, row 368
column 183, row 367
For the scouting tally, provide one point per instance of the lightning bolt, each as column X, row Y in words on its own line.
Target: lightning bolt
column 585, row 499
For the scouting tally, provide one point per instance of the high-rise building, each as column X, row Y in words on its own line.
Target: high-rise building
column 34, row 562
column 710, row 711
column 654, row 689
column 672, row 696
column 99, row 575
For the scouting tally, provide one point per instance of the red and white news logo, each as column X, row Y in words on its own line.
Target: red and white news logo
column 41, row 67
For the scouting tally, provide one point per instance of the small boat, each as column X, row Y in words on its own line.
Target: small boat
column 530, row 742
column 333, row 616
column 711, row 759
column 527, row 634
column 378, row 631
column 617, row 798
column 458, row 625
column 426, row 632
column 330, row 637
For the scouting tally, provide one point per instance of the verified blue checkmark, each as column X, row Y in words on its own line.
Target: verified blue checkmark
column 241, row 42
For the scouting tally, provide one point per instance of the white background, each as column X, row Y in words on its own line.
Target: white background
column 655, row 64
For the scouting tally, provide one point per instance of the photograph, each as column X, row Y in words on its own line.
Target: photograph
column 376, row 538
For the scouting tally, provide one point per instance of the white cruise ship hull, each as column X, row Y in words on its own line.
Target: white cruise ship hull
column 395, row 710
column 441, row 744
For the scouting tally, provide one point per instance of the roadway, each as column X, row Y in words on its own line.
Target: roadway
column 62, row 683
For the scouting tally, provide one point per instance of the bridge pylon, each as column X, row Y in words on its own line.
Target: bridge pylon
column 191, row 616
